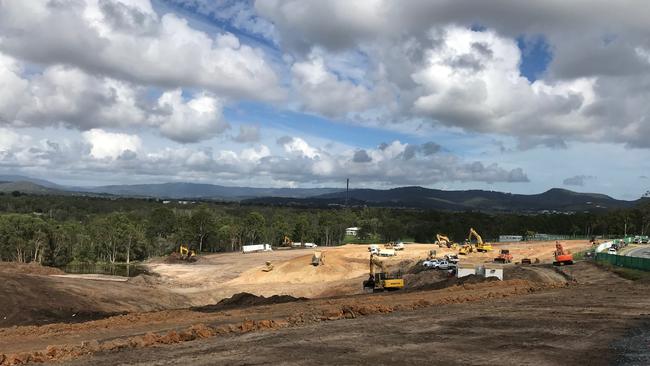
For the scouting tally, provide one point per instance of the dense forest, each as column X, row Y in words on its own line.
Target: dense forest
column 57, row 230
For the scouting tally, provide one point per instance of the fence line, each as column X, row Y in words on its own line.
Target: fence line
column 624, row 261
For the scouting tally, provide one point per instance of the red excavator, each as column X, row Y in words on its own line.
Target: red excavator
column 562, row 256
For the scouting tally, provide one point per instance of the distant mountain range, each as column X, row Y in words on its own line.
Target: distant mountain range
column 558, row 200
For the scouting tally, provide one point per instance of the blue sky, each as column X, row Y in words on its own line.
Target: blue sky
column 307, row 94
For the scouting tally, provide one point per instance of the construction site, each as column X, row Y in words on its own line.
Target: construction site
column 502, row 303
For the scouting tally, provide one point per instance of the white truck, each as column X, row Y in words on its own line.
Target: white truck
column 387, row 252
column 310, row 245
column 256, row 248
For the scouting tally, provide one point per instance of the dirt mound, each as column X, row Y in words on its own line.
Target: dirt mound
column 145, row 280
column 244, row 299
column 175, row 258
column 449, row 282
column 28, row 268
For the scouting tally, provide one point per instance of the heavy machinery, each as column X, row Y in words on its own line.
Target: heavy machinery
column 378, row 280
column 562, row 256
column 480, row 245
column 286, row 242
column 186, row 254
column 317, row 259
column 466, row 249
column 504, row 257
column 443, row 241
column 268, row 267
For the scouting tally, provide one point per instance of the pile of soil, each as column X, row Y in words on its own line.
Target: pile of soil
column 28, row 268
column 449, row 282
column 150, row 280
column 245, row 299
column 175, row 258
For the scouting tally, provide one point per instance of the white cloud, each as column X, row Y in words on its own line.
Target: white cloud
column 298, row 146
column 127, row 40
column 110, row 145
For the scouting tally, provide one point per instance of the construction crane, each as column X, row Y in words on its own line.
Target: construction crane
column 562, row 256
column 480, row 245
column 378, row 280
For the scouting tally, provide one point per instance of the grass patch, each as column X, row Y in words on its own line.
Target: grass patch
column 627, row 273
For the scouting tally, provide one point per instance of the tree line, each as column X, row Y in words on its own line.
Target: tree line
column 57, row 230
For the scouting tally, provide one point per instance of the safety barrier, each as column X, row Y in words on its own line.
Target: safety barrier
column 623, row 261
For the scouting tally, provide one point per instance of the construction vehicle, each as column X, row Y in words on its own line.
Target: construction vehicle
column 504, row 257
column 443, row 241
column 526, row 261
column 562, row 256
column 268, row 268
column 186, row 254
column 480, row 245
column 393, row 245
column 432, row 254
column 317, row 259
column 378, row 280
column 466, row 249
column 286, row 242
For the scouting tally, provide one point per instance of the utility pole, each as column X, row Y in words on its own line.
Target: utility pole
column 347, row 191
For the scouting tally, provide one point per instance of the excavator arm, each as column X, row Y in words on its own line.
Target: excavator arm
column 473, row 233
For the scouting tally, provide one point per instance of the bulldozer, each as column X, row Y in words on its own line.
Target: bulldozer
column 562, row 256
column 480, row 245
column 466, row 249
column 186, row 254
column 504, row 257
column 268, row 267
column 379, row 281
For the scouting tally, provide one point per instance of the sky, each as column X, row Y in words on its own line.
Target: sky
column 452, row 94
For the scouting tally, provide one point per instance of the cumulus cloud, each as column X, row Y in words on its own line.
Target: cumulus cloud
column 111, row 145
column 436, row 67
column 128, row 40
column 578, row 180
column 248, row 133
column 361, row 156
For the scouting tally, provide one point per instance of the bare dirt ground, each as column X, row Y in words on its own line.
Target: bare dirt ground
column 573, row 317
column 535, row 305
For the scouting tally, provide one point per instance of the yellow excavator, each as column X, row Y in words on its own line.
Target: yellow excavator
column 443, row 241
column 379, row 280
column 286, row 242
column 466, row 249
column 186, row 253
column 480, row 245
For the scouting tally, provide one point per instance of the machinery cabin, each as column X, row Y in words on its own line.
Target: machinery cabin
column 378, row 280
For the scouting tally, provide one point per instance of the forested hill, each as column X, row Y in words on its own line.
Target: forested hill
column 556, row 199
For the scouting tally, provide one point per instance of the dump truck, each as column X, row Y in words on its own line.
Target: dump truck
column 504, row 257
column 379, row 281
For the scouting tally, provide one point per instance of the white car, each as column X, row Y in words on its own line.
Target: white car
column 611, row 251
column 431, row 264
column 373, row 249
column 399, row 246
column 310, row 245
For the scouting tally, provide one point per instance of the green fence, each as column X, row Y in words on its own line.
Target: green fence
column 623, row 261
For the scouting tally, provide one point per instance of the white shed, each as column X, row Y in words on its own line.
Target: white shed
column 465, row 269
column 493, row 270
column 352, row 231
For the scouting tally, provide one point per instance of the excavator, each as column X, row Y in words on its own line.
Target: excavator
column 480, row 245
column 186, row 253
column 466, row 249
column 562, row 256
column 443, row 241
column 286, row 242
column 379, row 280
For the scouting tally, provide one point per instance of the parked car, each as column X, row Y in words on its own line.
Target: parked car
column 399, row 246
column 310, row 245
column 431, row 263
column 611, row 250
column 373, row 249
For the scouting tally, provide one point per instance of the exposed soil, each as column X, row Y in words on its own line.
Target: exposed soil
column 244, row 299
column 28, row 268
